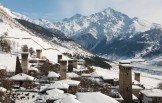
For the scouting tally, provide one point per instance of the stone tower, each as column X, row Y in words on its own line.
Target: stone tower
column 59, row 58
column 63, row 66
column 39, row 53
column 70, row 65
column 75, row 63
column 137, row 77
column 24, row 62
column 125, row 81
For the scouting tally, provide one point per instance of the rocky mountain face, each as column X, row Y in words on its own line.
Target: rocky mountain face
column 108, row 33
column 141, row 45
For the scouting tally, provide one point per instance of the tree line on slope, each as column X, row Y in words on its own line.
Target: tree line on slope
column 91, row 61
column 5, row 45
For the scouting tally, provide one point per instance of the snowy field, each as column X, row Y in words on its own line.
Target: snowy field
column 148, row 80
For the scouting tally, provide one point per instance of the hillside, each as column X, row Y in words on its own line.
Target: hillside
column 18, row 35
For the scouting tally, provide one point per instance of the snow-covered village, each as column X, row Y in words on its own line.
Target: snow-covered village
column 69, row 61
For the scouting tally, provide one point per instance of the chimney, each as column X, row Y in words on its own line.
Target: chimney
column 24, row 62
column 125, row 81
column 63, row 65
column 59, row 58
column 75, row 63
column 70, row 65
column 39, row 53
column 137, row 77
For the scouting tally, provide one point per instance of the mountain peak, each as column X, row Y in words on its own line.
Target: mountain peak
column 109, row 10
column 76, row 16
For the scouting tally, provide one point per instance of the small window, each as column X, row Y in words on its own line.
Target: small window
column 159, row 99
column 127, row 89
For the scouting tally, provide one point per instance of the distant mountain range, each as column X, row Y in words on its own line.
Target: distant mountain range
column 108, row 33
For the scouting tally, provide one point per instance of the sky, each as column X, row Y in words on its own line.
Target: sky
column 150, row 10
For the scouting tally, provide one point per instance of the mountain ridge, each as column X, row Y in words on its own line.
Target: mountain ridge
column 97, row 31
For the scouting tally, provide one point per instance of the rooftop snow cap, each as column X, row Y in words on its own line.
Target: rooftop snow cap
column 21, row 77
column 52, row 74
column 94, row 97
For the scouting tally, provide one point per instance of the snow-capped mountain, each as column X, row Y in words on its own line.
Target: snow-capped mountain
column 107, row 24
column 105, row 32
column 18, row 35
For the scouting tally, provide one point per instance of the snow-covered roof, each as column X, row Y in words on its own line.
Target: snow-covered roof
column 95, row 74
column 22, row 77
column 33, row 69
column 54, row 91
column 135, row 82
column 81, row 60
column 137, row 87
column 58, row 96
column 72, row 75
column 94, row 97
column 125, row 61
column 59, row 85
column 134, row 60
column 70, row 82
column 152, row 92
column 2, row 67
column 126, row 65
column 2, row 89
column 109, row 76
column 86, row 75
column 53, row 74
column 67, row 99
column 134, row 97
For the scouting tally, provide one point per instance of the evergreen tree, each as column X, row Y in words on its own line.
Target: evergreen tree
column 18, row 66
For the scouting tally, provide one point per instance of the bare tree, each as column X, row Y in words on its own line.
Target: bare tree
column 2, row 37
column 6, row 83
column 6, row 45
column 48, row 66
column 88, row 85
column 45, row 67
column 31, row 51
column 24, row 48
column 160, row 85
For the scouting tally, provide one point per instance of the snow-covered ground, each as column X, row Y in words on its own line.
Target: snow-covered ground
column 148, row 80
column 8, row 61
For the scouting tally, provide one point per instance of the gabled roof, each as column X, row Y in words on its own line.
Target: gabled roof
column 21, row 77
column 72, row 75
column 59, row 85
column 94, row 97
column 68, row 99
column 53, row 74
